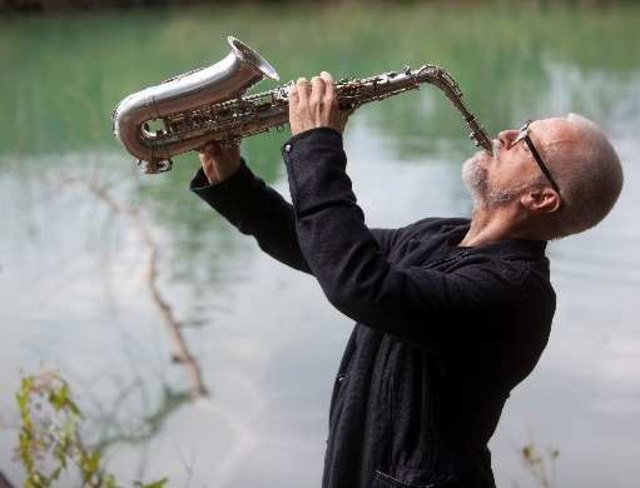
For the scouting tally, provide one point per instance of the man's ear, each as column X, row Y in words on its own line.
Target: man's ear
column 541, row 200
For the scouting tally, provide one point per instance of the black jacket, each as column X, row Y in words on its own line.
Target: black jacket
column 443, row 334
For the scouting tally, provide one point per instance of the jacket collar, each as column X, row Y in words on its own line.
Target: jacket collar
column 512, row 248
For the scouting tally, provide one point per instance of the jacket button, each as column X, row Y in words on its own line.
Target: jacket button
column 340, row 378
column 287, row 148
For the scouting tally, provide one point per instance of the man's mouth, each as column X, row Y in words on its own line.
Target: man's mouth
column 496, row 144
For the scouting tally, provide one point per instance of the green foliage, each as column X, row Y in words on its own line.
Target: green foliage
column 49, row 443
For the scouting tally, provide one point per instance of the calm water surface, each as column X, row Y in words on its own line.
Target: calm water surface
column 73, row 292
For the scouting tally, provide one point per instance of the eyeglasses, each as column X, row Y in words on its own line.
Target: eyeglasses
column 523, row 135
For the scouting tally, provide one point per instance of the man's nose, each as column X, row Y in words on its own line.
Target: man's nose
column 506, row 137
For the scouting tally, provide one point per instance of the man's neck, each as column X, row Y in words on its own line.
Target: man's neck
column 490, row 225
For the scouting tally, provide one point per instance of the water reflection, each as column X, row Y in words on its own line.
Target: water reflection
column 72, row 276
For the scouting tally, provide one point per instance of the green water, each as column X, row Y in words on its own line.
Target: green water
column 63, row 75
column 69, row 268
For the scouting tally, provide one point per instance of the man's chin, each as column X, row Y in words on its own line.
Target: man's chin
column 474, row 176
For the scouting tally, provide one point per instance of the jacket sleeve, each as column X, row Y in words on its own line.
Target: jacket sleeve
column 355, row 276
column 256, row 209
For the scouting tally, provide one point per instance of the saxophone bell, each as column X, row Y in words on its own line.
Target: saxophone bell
column 173, row 103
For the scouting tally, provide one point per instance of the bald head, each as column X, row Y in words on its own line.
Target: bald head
column 585, row 167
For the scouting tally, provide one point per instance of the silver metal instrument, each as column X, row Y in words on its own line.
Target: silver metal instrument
column 211, row 103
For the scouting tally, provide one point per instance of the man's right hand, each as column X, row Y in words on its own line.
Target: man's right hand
column 218, row 162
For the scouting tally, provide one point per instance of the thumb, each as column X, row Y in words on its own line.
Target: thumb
column 342, row 118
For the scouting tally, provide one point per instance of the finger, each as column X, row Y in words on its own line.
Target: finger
column 207, row 156
column 293, row 95
column 330, row 87
column 214, row 150
column 294, row 99
column 326, row 76
column 304, row 88
column 209, row 146
column 317, row 89
column 303, row 84
column 208, row 150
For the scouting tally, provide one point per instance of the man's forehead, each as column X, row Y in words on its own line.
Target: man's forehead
column 552, row 130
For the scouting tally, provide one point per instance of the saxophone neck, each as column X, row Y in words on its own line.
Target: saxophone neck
column 442, row 79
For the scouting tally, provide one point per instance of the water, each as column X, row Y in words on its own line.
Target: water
column 72, row 269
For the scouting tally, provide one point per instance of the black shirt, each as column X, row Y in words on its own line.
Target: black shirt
column 443, row 332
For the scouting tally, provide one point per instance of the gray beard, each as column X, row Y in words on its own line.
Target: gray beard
column 484, row 195
column 475, row 178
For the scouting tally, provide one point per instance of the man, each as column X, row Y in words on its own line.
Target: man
column 452, row 314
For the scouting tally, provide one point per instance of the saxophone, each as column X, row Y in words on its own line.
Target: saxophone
column 211, row 103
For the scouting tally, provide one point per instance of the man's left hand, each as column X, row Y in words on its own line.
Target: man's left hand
column 315, row 104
